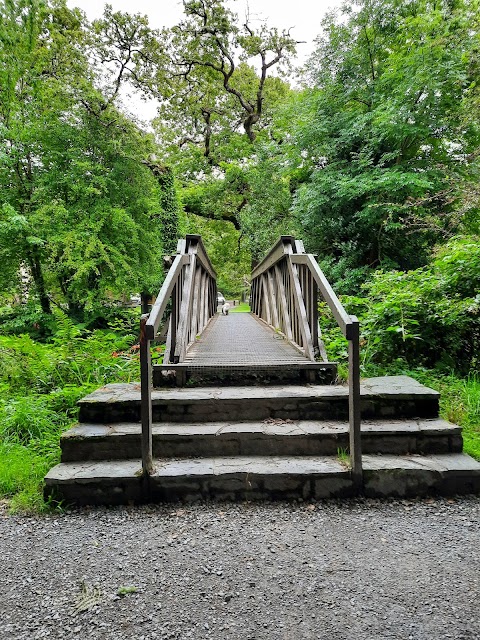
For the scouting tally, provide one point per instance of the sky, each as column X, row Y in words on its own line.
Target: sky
column 302, row 16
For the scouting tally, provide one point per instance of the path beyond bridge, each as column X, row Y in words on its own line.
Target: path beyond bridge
column 254, row 412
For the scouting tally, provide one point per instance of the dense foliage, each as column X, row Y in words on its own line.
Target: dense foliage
column 40, row 384
column 384, row 132
column 427, row 317
column 370, row 155
column 78, row 207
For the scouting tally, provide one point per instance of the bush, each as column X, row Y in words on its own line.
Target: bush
column 40, row 384
column 428, row 317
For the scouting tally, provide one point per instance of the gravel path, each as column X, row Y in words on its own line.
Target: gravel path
column 334, row 570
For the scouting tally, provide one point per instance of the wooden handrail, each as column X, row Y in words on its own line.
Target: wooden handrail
column 276, row 253
column 190, row 292
column 163, row 298
column 341, row 316
column 284, row 294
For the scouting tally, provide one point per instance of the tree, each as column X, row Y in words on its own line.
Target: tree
column 380, row 130
column 212, row 71
column 79, row 209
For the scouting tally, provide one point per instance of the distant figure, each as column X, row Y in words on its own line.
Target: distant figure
column 225, row 309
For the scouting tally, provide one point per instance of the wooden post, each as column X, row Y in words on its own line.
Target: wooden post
column 146, row 398
column 354, row 402
column 196, row 295
column 285, row 326
column 299, row 305
column 272, row 299
column 266, row 300
column 184, row 320
column 172, row 334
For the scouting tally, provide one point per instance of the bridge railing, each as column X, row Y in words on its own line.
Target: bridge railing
column 284, row 294
column 188, row 299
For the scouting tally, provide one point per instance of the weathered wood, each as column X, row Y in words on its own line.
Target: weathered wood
column 201, row 317
column 314, row 312
column 195, row 304
column 191, row 291
column 266, row 300
column 163, row 331
column 168, row 344
column 201, row 254
column 184, row 320
column 321, row 344
column 299, row 248
column 287, row 327
column 174, row 325
column 146, row 397
column 163, row 297
column 304, row 329
column 272, row 300
column 182, row 245
column 354, row 402
column 205, row 301
column 341, row 316
column 275, row 255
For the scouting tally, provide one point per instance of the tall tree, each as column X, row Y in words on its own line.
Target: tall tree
column 79, row 209
column 213, row 68
column 380, row 130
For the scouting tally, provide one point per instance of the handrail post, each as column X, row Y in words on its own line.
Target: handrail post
column 146, row 398
column 354, row 402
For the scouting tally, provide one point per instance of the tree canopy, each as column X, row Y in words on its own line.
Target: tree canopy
column 371, row 155
column 383, row 132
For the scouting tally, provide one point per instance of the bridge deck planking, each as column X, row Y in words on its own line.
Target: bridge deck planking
column 241, row 339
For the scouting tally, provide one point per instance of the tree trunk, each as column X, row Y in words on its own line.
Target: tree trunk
column 145, row 299
column 37, row 275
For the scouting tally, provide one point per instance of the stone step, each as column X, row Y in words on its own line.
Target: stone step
column 287, row 372
column 260, row 478
column 271, row 437
column 386, row 397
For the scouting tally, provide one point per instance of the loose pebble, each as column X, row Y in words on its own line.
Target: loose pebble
column 364, row 569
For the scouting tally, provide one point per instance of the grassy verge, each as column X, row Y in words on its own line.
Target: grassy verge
column 243, row 307
column 460, row 404
column 40, row 384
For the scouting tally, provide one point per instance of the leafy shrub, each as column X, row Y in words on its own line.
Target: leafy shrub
column 428, row 317
column 40, row 384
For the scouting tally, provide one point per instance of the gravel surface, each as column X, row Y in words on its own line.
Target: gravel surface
column 333, row 570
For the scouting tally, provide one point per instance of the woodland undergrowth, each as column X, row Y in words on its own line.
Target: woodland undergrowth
column 40, row 384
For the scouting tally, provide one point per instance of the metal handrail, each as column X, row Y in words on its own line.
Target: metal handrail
column 190, row 288
column 284, row 294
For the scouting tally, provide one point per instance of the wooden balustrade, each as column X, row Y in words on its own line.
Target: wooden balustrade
column 188, row 297
column 284, row 294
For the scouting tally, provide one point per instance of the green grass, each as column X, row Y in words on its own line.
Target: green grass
column 343, row 457
column 243, row 307
column 40, row 384
column 460, row 403
column 22, row 469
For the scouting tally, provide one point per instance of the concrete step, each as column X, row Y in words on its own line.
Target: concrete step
column 270, row 437
column 287, row 372
column 386, row 397
column 260, row 478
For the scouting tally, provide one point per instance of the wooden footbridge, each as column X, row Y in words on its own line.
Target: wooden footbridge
column 245, row 406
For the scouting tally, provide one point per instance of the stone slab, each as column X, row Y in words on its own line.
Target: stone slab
column 260, row 478
column 303, row 437
column 387, row 386
column 245, row 478
column 404, row 476
column 388, row 397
